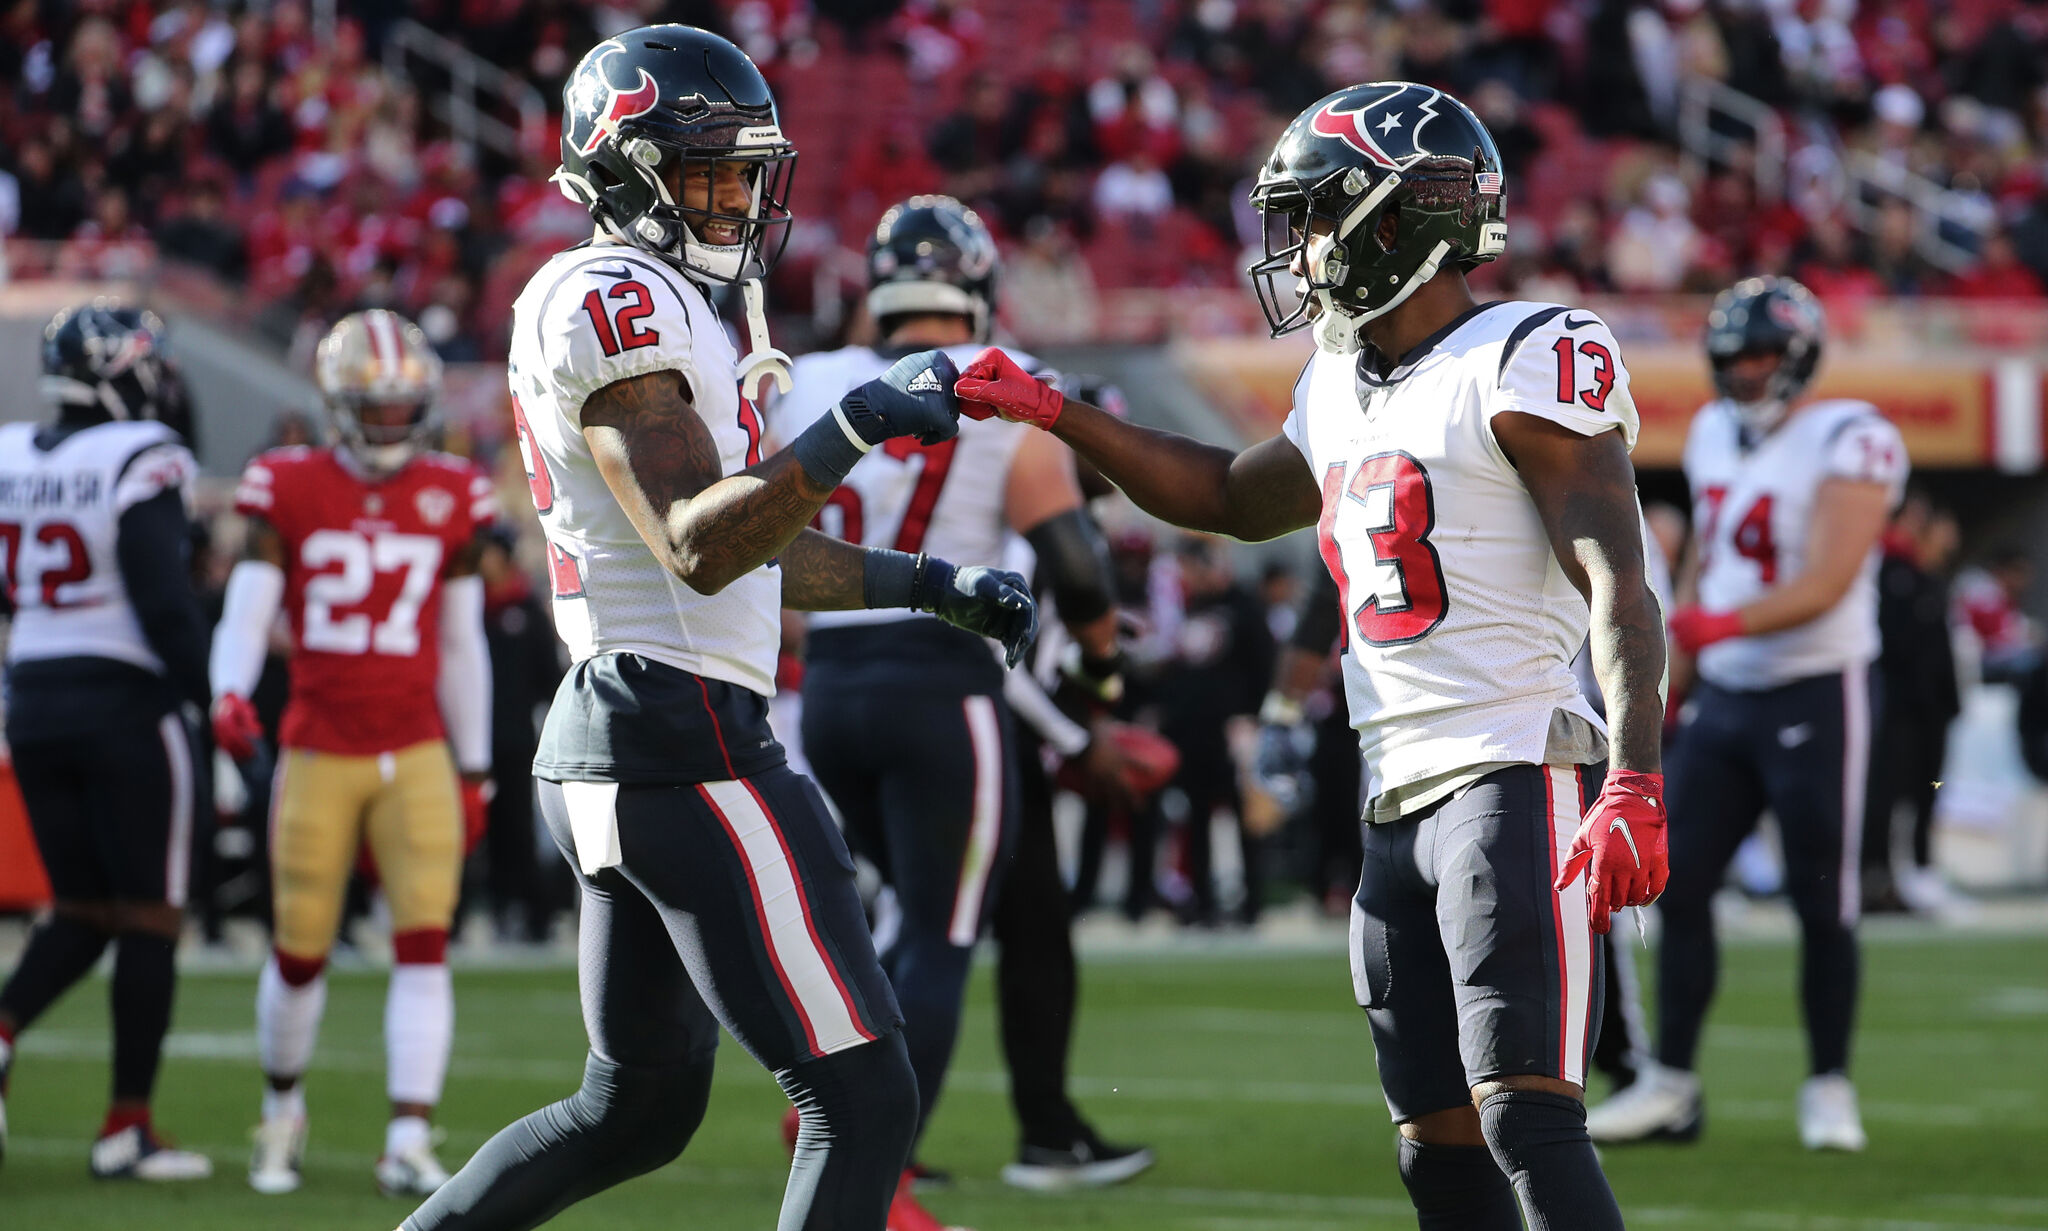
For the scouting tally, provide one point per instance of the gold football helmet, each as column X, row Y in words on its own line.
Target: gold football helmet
column 380, row 380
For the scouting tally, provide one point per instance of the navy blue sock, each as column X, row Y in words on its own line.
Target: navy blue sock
column 1540, row 1141
column 1457, row 1188
column 929, row 974
column 145, row 981
column 624, row 1121
column 60, row 953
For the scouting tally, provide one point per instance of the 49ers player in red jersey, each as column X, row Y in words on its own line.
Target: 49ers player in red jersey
column 369, row 545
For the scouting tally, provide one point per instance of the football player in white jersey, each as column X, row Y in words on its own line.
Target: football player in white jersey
column 715, row 889
column 1790, row 496
column 904, row 717
column 106, row 658
column 1467, row 469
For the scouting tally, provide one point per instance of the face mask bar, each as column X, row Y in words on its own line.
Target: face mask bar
column 764, row 227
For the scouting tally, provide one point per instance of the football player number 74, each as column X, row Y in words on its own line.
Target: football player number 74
column 1404, row 596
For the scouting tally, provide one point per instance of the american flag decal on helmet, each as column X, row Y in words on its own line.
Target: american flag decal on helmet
column 1488, row 183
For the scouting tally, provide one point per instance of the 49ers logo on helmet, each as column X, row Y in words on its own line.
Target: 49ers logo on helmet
column 1384, row 128
column 616, row 106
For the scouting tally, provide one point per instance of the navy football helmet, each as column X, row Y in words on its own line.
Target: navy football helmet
column 1770, row 315
column 653, row 105
column 1372, row 191
column 109, row 358
column 933, row 254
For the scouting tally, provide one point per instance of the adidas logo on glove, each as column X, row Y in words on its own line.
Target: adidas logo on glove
column 926, row 381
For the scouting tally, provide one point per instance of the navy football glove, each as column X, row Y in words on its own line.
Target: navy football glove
column 913, row 398
column 990, row 601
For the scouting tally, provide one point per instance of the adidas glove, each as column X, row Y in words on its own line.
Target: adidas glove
column 913, row 398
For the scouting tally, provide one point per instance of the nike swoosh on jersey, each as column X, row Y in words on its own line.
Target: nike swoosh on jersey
column 1626, row 836
column 620, row 272
column 1569, row 323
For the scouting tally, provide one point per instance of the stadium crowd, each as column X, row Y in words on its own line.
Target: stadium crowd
column 284, row 157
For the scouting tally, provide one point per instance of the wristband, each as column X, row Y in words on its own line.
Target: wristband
column 829, row 448
column 890, row 578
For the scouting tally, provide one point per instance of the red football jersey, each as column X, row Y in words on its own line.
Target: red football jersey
column 363, row 564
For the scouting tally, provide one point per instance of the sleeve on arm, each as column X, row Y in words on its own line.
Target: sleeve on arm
column 463, row 687
column 154, row 552
column 594, row 333
column 1868, row 449
column 241, row 640
column 166, row 467
column 1567, row 368
column 482, row 497
column 256, row 490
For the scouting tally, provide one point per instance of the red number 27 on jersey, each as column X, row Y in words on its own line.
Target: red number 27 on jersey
column 1407, row 599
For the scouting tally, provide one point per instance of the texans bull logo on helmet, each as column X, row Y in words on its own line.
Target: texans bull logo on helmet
column 1387, row 129
column 606, row 114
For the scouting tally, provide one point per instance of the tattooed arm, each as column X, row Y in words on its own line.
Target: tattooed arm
column 1584, row 488
column 706, row 527
column 821, row 573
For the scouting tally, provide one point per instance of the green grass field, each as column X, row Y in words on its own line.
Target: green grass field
column 1252, row 1074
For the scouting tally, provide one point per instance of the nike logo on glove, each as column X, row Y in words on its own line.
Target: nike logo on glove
column 1626, row 836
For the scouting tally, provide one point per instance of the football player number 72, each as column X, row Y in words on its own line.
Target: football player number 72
column 1404, row 598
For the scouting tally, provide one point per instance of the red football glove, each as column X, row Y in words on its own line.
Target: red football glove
column 994, row 385
column 476, row 810
column 236, row 727
column 1693, row 629
column 1623, row 841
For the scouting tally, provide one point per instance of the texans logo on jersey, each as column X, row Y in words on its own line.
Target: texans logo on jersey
column 604, row 115
column 1385, row 128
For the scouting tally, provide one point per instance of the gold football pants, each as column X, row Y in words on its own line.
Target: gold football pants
column 408, row 806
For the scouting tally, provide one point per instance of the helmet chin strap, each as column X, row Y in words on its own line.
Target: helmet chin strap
column 763, row 360
column 1338, row 329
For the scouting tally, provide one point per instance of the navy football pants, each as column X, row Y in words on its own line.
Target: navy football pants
column 1803, row 751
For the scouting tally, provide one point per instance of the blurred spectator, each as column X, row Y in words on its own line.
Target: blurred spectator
column 969, row 145
column 1133, row 188
column 525, row 667
column 938, row 36
column 195, row 228
column 1917, row 666
column 1223, row 661
column 1894, row 254
column 1150, row 116
column 1998, row 274
column 1656, row 242
column 1990, row 603
column 1048, row 293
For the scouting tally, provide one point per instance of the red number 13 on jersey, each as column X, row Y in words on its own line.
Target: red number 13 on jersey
column 1407, row 599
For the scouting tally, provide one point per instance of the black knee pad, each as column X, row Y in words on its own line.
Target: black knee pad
column 1457, row 1188
column 1521, row 1123
column 642, row 1115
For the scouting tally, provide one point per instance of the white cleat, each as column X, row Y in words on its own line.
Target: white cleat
column 280, row 1148
column 1663, row 1104
column 1828, row 1116
column 134, row 1153
column 411, row 1172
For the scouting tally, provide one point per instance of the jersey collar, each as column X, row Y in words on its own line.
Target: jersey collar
column 1373, row 371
